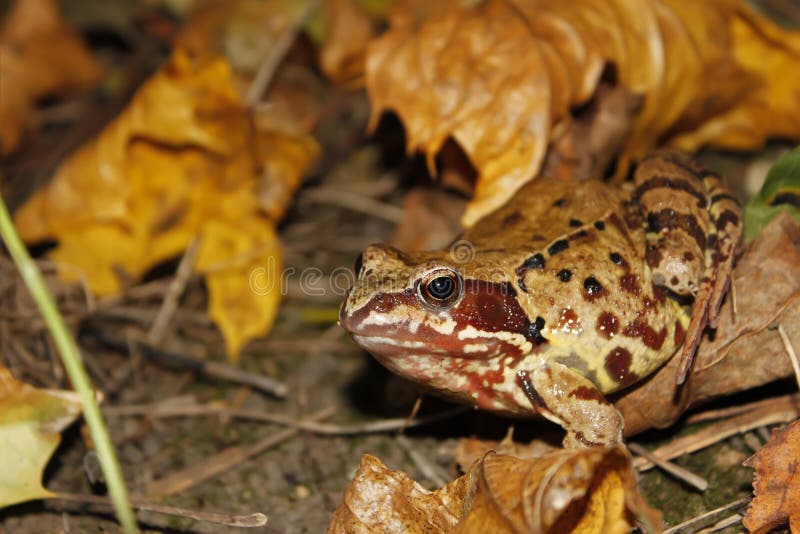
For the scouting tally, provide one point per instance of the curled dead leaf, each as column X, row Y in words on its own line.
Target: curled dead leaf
column 581, row 491
column 777, row 483
column 504, row 78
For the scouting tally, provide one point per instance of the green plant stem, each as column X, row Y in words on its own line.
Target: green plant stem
column 74, row 367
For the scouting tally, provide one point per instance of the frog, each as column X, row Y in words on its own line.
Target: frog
column 569, row 292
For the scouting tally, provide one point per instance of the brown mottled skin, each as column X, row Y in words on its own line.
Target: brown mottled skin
column 566, row 294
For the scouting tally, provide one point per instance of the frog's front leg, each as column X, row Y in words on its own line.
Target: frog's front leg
column 572, row 401
column 694, row 232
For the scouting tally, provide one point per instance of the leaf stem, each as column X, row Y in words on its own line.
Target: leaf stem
column 73, row 364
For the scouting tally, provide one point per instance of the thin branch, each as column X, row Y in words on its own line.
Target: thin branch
column 787, row 344
column 172, row 299
column 677, row 471
column 680, row 527
column 157, row 411
column 230, row 520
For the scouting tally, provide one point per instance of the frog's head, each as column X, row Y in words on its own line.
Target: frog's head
column 423, row 313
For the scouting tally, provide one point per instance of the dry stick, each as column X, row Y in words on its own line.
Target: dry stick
column 276, row 53
column 425, row 466
column 325, row 429
column 677, row 471
column 702, row 517
column 355, row 202
column 230, row 520
column 716, row 432
column 725, row 523
column 765, row 404
column 171, row 300
column 223, row 461
column 207, row 368
column 787, row 344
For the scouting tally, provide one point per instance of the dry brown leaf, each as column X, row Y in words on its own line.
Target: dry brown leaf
column 581, row 491
column 40, row 56
column 777, row 483
column 745, row 352
column 430, row 219
column 182, row 161
column 502, row 78
column 349, row 29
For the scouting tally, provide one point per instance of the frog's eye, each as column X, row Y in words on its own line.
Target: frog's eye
column 441, row 288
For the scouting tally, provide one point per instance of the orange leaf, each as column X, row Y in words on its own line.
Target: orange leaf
column 40, row 56
column 777, row 483
column 503, row 78
column 582, row 491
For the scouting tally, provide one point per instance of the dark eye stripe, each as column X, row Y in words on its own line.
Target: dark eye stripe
column 558, row 246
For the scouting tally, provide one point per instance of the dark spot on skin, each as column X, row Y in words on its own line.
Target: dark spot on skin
column 524, row 381
column 618, row 366
column 632, row 216
column 508, row 290
column 653, row 256
column 564, row 275
column 726, row 217
column 512, row 219
column 630, row 283
column 535, row 331
column 558, row 246
column 660, row 294
column 569, row 320
column 600, row 225
column 674, row 281
column 680, row 334
column 586, row 393
column 670, row 219
column 575, row 223
column 639, row 328
column 534, row 262
column 616, row 258
column 672, row 183
column 580, row 233
column 688, row 256
column 560, row 202
column 607, row 325
column 592, row 286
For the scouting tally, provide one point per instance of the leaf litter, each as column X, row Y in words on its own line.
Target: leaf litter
column 312, row 376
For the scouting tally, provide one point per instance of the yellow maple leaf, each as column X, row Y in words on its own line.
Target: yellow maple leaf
column 184, row 160
column 30, row 424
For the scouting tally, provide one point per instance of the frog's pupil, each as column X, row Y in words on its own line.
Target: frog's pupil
column 441, row 287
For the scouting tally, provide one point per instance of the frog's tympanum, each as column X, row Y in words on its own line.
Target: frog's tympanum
column 570, row 291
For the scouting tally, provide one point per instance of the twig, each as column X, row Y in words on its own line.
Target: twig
column 716, row 432
column 703, row 517
column 677, row 471
column 276, row 53
column 725, row 523
column 385, row 425
column 787, row 344
column 71, row 358
column 217, row 370
column 424, row 465
column 355, row 202
column 171, row 300
column 230, row 520
column 765, row 404
column 224, row 461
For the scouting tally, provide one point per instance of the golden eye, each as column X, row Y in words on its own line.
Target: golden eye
column 441, row 288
